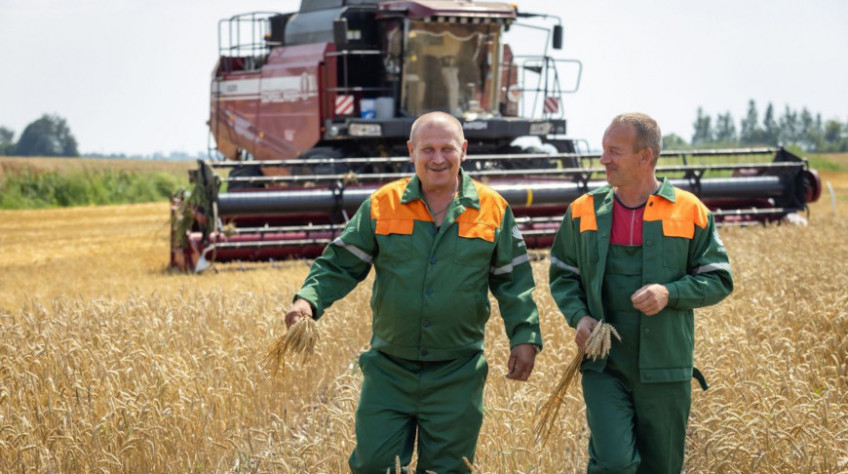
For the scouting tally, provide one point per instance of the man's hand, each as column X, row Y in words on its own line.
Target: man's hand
column 521, row 362
column 650, row 299
column 299, row 309
column 584, row 330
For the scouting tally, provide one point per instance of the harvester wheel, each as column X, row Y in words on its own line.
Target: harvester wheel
column 250, row 171
column 322, row 152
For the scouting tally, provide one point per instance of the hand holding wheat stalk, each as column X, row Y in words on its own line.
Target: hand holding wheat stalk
column 300, row 338
column 597, row 345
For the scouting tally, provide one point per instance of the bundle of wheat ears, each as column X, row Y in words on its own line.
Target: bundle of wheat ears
column 597, row 345
column 299, row 339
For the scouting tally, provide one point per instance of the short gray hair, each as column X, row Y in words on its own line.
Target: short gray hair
column 648, row 133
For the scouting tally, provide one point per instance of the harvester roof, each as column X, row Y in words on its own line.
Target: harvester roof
column 450, row 8
column 421, row 8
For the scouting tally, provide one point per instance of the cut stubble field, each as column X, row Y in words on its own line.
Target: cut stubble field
column 109, row 362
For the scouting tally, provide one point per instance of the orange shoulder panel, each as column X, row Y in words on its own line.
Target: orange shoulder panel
column 678, row 218
column 584, row 209
column 697, row 211
column 492, row 205
column 482, row 223
column 392, row 216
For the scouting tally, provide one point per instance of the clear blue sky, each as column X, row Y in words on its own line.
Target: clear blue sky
column 133, row 76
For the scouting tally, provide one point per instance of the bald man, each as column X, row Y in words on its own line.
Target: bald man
column 438, row 242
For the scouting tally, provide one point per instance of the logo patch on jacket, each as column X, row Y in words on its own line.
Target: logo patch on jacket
column 516, row 233
column 719, row 241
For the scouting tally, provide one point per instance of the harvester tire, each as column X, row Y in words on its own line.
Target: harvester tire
column 322, row 152
column 251, row 171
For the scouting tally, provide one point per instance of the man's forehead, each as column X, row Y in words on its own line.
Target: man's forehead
column 438, row 132
column 620, row 131
column 621, row 128
column 439, row 124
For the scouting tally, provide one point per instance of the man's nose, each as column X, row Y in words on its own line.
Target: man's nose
column 604, row 159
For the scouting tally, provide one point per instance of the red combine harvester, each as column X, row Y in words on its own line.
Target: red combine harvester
column 311, row 111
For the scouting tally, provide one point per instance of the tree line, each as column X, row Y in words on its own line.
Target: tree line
column 46, row 136
column 793, row 128
column 51, row 136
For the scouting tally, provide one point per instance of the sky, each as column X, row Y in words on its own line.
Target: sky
column 132, row 76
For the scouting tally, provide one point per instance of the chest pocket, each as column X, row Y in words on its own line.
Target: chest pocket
column 394, row 238
column 677, row 234
column 589, row 246
column 475, row 244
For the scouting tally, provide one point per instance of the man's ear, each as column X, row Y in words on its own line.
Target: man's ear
column 647, row 156
column 464, row 150
column 410, row 148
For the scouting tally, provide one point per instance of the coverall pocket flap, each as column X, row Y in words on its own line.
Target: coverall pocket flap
column 394, row 226
column 678, row 228
column 476, row 230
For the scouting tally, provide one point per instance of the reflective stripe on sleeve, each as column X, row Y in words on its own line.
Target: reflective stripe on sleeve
column 712, row 267
column 508, row 267
column 356, row 251
column 560, row 264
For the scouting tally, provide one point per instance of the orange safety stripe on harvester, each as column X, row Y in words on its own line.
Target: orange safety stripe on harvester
column 393, row 216
column 678, row 218
column 482, row 223
column 584, row 208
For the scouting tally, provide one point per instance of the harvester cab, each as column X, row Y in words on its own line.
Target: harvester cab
column 310, row 112
column 347, row 78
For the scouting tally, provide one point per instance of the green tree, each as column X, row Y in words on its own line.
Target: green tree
column 834, row 136
column 751, row 133
column 814, row 133
column 673, row 141
column 806, row 130
column 703, row 129
column 790, row 127
column 47, row 136
column 7, row 143
column 771, row 131
column 725, row 130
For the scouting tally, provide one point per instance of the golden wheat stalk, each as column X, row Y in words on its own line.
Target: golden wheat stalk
column 597, row 345
column 299, row 339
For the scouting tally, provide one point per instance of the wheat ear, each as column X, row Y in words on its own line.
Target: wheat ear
column 299, row 339
column 597, row 345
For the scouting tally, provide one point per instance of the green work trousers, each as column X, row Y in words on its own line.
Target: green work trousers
column 635, row 426
column 442, row 401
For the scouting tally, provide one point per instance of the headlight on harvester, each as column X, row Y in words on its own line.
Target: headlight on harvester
column 540, row 128
column 365, row 129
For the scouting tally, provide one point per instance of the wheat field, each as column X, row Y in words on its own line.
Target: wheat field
column 109, row 362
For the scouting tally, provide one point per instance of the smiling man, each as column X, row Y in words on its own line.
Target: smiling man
column 438, row 242
column 641, row 255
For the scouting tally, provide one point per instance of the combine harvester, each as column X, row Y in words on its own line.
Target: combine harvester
column 311, row 111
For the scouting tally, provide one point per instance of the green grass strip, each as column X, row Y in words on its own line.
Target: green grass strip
column 30, row 189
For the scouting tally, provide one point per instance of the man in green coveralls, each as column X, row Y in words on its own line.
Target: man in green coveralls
column 438, row 242
column 639, row 254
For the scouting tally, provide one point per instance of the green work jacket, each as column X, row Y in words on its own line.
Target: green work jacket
column 680, row 249
column 430, row 295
